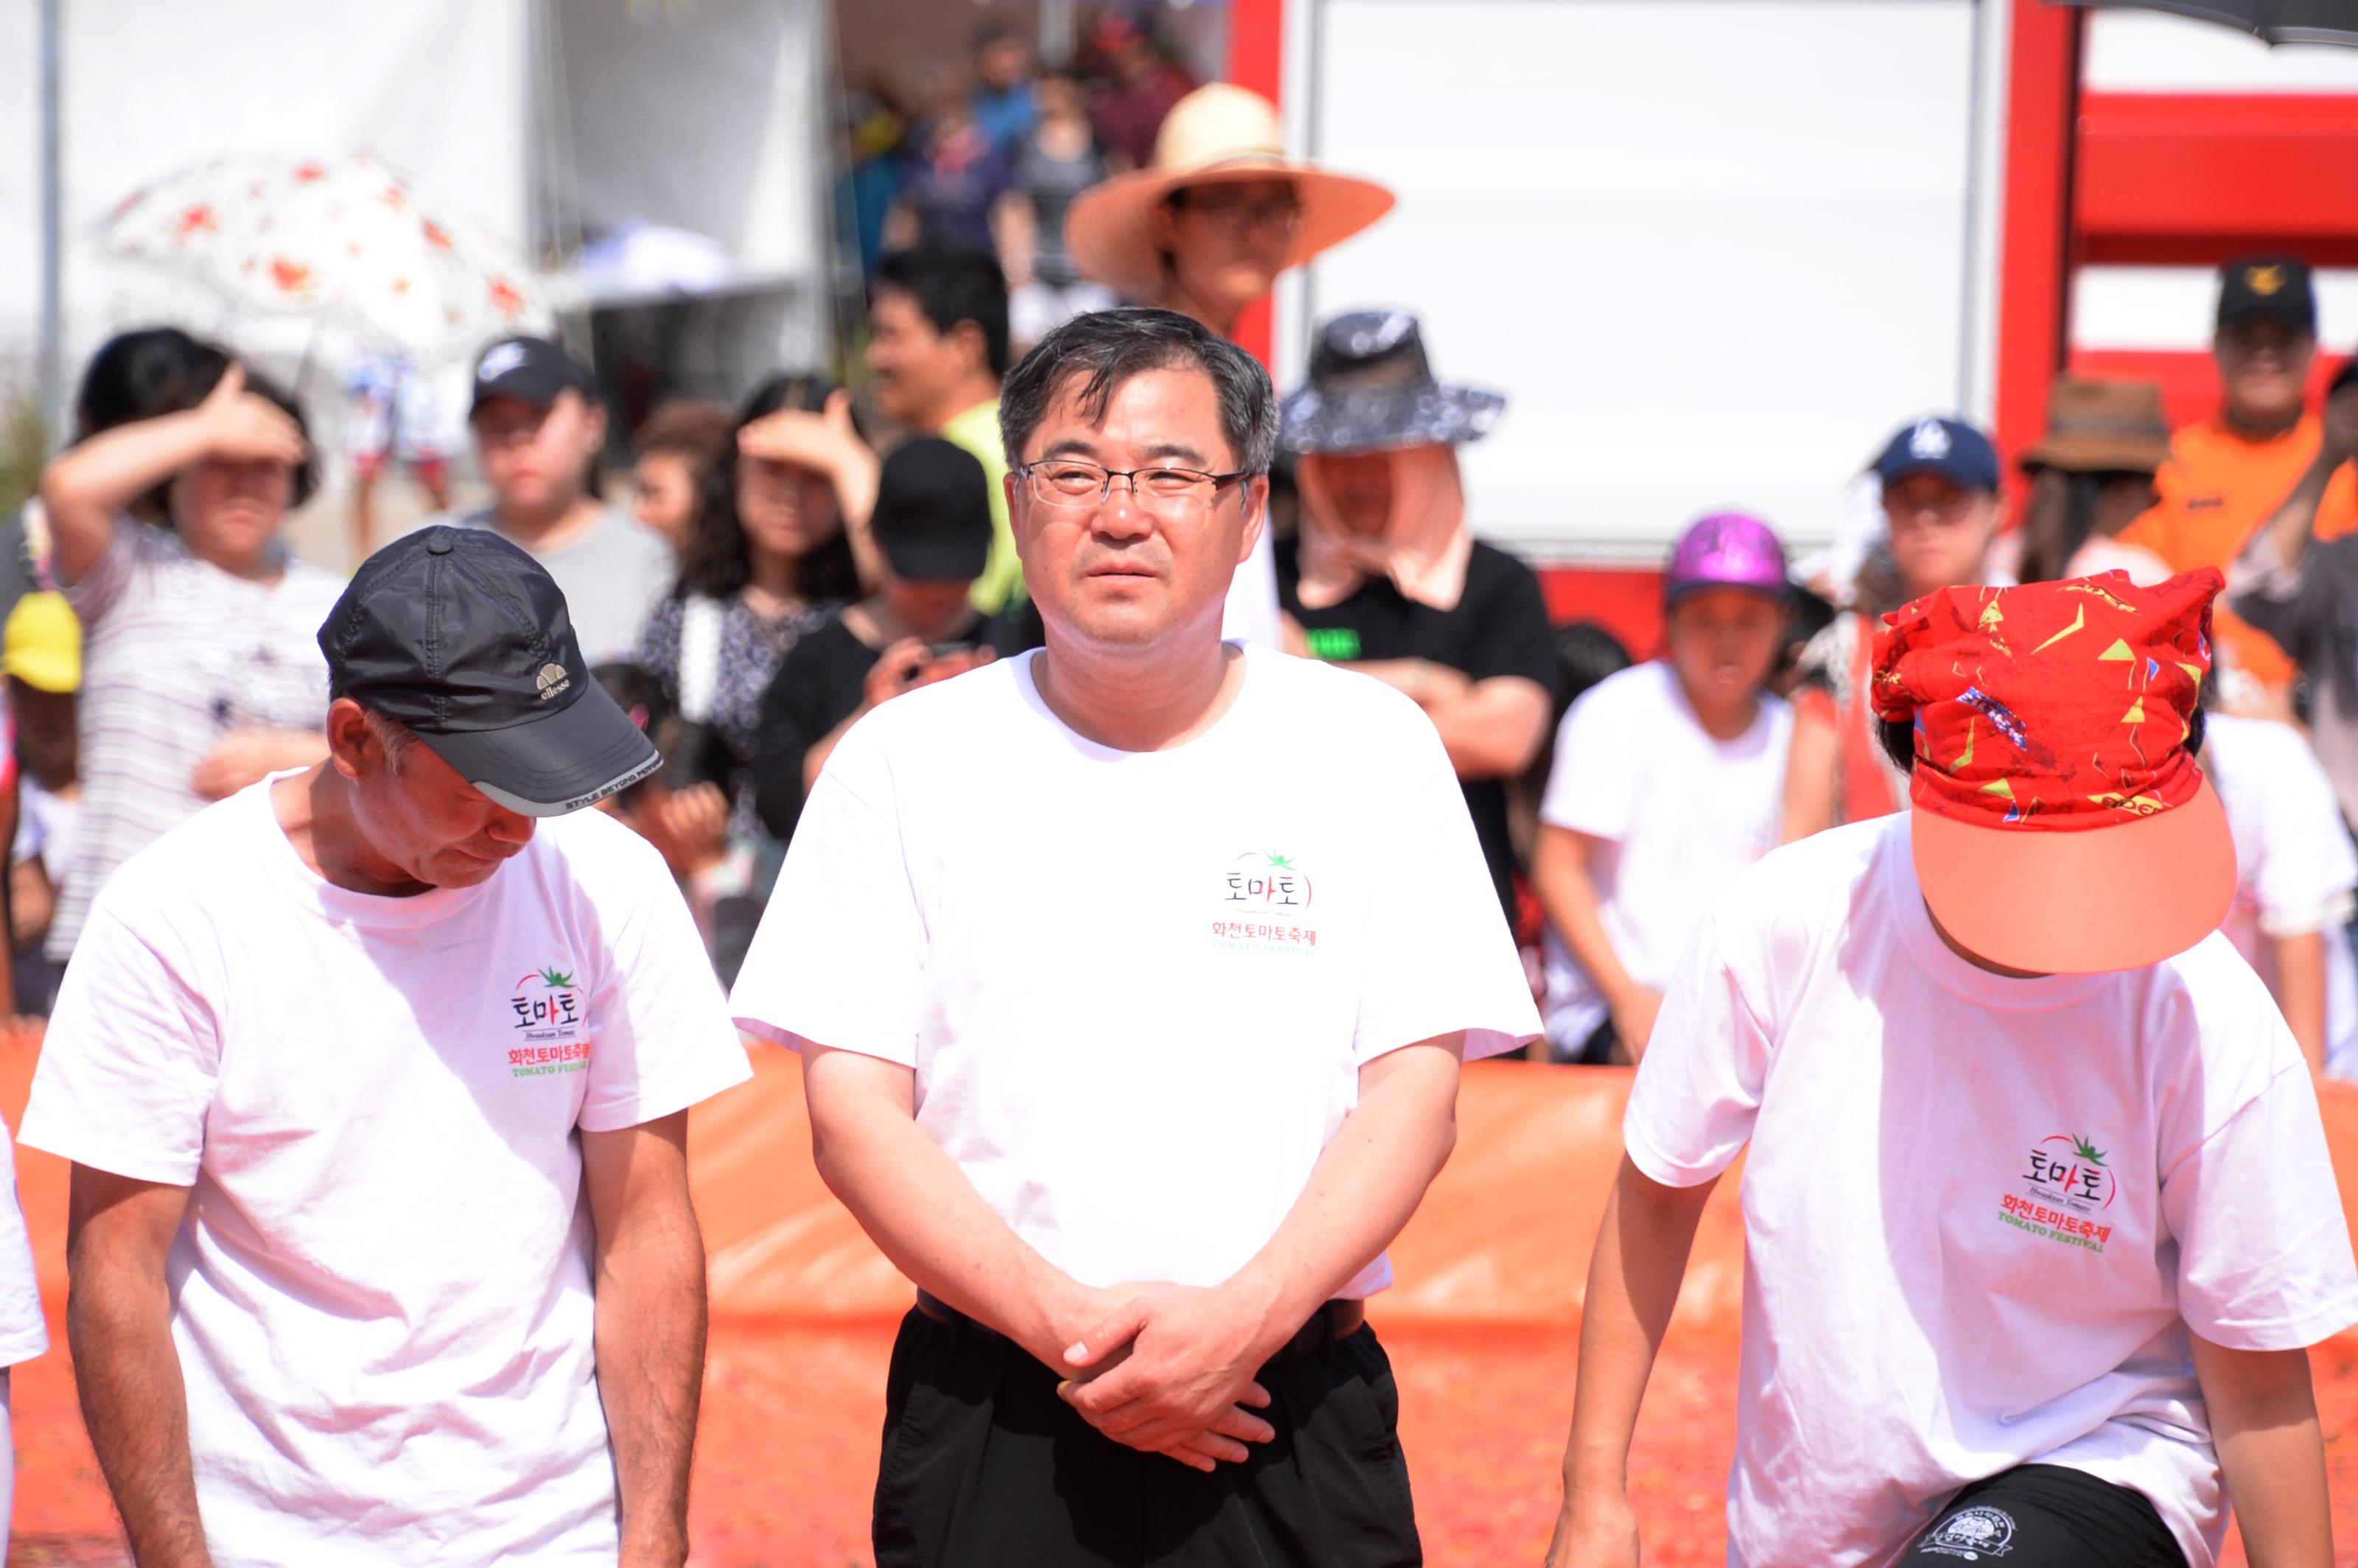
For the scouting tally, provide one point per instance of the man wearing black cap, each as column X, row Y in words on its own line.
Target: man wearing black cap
column 538, row 426
column 376, row 1088
column 932, row 524
column 2228, row 473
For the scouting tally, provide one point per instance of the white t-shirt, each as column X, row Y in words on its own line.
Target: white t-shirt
column 2294, row 865
column 1980, row 1214
column 1137, row 987
column 177, row 653
column 382, row 1302
column 23, row 1333
column 1681, row 813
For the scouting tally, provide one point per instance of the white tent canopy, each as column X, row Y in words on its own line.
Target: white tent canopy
column 540, row 120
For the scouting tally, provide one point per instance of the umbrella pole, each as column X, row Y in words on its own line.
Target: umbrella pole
column 303, row 365
column 50, row 368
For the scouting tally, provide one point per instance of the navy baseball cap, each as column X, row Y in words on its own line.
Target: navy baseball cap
column 1949, row 448
column 463, row 638
column 533, row 369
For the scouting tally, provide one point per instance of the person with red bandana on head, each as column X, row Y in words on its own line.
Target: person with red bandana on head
column 2039, row 1215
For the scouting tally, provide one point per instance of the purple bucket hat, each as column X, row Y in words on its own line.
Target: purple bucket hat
column 1729, row 549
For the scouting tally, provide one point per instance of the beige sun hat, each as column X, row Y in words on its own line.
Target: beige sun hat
column 1218, row 135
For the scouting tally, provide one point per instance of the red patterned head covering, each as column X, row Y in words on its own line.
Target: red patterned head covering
column 2041, row 714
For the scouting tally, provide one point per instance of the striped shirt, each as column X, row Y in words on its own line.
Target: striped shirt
column 176, row 653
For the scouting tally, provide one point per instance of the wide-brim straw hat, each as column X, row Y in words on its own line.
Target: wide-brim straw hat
column 2101, row 427
column 1218, row 135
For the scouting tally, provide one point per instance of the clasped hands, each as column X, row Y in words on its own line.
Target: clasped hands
column 1169, row 1370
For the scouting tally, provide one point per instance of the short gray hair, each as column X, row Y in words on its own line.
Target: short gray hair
column 395, row 737
column 1109, row 347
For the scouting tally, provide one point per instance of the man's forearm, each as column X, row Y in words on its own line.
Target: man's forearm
column 1560, row 873
column 1495, row 730
column 1364, row 1187
column 2271, row 1453
column 923, row 1215
column 650, row 1351
column 1633, row 1284
column 135, row 1409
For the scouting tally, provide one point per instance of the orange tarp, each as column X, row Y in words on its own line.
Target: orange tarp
column 1501, row 1241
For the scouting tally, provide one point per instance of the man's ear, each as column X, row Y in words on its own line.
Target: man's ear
column 1255, row 515
column 965, row 338
column 350, row 737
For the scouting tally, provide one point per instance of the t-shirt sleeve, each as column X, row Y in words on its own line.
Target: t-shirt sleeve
column 2264, row 1249
column 839, row 959
column 1698, row 1089
column 663, row 1038
column 129, row 1062
column 97, row 591
column 1439, row 957
column 1515, row 636
column 1592, row 786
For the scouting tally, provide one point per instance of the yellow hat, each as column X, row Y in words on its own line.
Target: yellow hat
column 43, row 644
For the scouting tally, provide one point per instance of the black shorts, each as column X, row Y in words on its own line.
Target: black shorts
column 2046, row 1515
column 984, row 1466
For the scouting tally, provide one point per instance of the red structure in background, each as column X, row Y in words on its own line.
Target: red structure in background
column 2035, row 245
column 1257, row 59
column 2149, row 179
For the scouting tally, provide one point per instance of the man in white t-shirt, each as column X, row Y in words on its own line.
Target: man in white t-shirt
column 1136, row 1047
column 2039, row 1215
column 375, row 1088
column 1668, row 780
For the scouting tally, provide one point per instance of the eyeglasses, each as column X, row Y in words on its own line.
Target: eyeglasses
column 1234, row 214
column 1070, row 484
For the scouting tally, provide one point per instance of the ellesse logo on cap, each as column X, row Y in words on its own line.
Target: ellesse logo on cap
column 553, row 681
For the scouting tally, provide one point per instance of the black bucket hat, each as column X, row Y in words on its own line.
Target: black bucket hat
column 465, row 639
column 1371, row 389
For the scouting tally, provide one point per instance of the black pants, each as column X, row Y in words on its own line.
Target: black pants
column 2046, row 1515
column 984, row 1466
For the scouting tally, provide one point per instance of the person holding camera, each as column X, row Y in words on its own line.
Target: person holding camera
column 931, row 528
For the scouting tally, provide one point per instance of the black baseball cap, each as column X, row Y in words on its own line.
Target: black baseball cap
column 532, row 369
column 932, row 518
column 465, row 639
column 1949, row 448
column 2276, row 287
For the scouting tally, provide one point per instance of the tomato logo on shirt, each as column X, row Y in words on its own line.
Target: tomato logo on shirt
column 1262, row 905
column 2066, row 1185
column 548, row 1015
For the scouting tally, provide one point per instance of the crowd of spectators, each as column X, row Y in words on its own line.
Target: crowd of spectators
column 786, row 567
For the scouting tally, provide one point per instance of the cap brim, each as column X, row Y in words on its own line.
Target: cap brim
column 935, row 560
column 549, row 766
column 1106, row 229
column 2080, row 903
